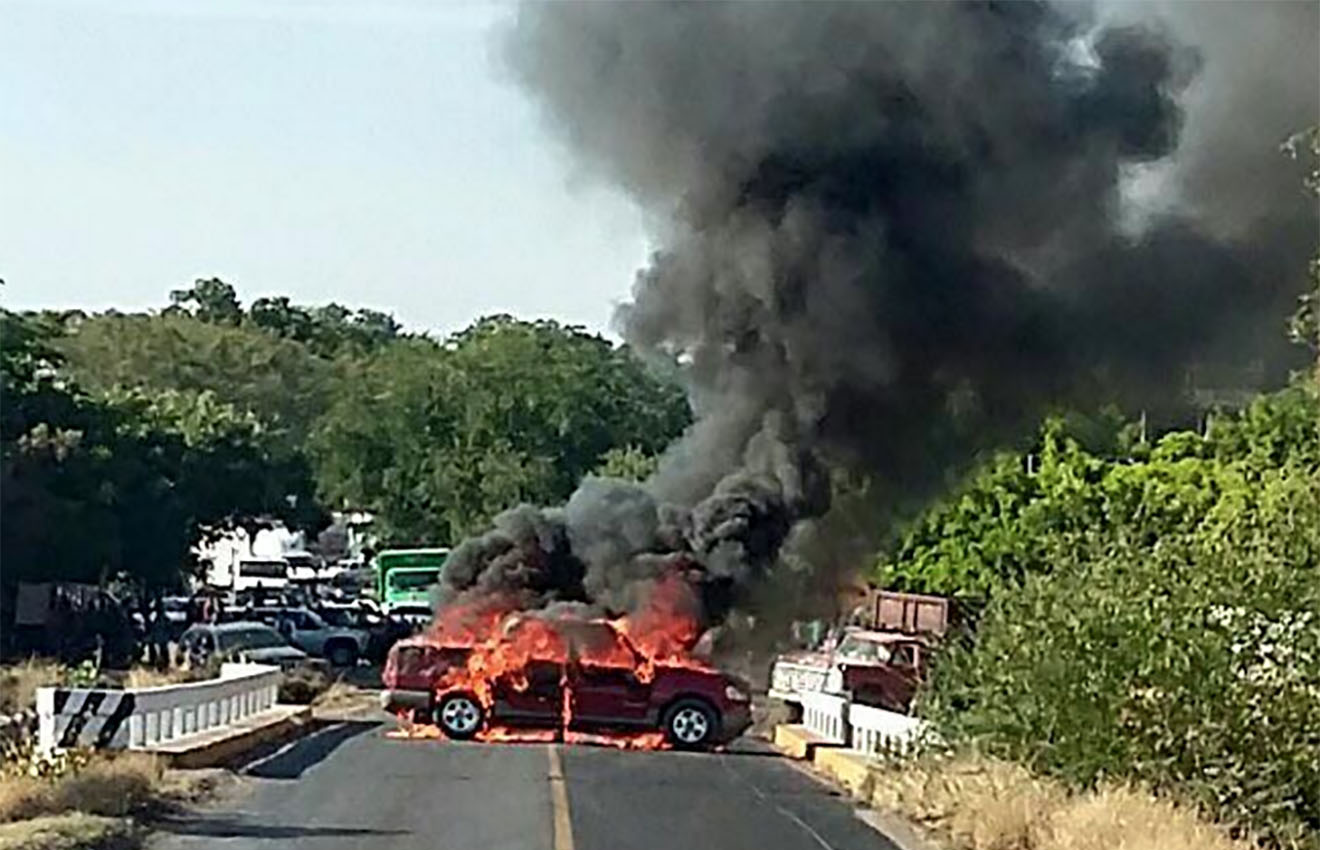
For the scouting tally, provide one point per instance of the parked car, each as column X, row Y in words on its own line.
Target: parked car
column 240, row 641
column 382, row 631
column 342, row 646
column 696, row 707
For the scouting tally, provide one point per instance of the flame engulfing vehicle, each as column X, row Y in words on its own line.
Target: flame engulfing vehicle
column 485, row 673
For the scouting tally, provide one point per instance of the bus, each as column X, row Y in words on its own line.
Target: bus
column 404, row 578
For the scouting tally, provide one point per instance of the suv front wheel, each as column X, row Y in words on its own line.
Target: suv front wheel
column 690, row 724
column 460, row 716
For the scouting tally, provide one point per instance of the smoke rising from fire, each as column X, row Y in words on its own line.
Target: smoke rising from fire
column 891, row 234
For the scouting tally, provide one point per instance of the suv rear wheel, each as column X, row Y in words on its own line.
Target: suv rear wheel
column 690, row 724
column 460, row 716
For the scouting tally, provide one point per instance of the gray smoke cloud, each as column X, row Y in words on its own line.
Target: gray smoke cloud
column 891, row 234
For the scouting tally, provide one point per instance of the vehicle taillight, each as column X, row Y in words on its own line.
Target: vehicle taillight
column 390, row 675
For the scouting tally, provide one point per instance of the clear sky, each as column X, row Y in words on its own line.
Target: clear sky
column 371, row 153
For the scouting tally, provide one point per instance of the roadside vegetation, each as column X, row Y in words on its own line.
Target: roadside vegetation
column 975, row 803
column 81, row 799
column 1148, row 613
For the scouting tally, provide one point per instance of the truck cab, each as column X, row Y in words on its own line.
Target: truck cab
column 404, row 579
column 878, row 658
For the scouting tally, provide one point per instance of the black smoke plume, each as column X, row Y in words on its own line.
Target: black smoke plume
column 891, row 234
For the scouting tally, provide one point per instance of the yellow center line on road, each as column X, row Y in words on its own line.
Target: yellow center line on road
column 559, row 801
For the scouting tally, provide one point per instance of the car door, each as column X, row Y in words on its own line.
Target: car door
column 310, row 633
column 605, row 695
column 532, row 696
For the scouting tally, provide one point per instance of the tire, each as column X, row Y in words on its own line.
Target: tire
column 691, row 724
column 342, row 654
column 460, row 716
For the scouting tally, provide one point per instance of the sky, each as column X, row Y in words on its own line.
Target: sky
column 370, row 153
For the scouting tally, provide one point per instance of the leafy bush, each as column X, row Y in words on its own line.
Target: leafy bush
column 1191, row 663
column 1006, row 522
column 1152, row 612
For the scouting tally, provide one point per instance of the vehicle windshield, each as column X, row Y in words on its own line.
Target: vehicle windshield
column 413, row 579
column 250, row 638
column 856, row 648
column 340, row 617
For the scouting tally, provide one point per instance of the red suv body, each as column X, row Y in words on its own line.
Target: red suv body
column 694, row 706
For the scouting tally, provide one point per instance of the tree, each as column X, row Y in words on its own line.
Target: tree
column 126, row 483
column 329, row 330
column 212, row 301
column 1002, row 524
column 436, row 438
column 279, row 381
column 627, row 462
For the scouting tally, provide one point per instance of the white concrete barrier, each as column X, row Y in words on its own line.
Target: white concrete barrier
column 876, row 732
column 140, row 718
column 826, row 715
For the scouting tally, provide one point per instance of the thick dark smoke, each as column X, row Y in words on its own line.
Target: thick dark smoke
column 891, row 234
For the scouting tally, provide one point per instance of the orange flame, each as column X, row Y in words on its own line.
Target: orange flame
column 503, row 642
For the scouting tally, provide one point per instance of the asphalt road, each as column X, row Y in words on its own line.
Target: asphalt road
column 349, row 786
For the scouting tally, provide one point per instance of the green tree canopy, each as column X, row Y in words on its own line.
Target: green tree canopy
column 95, row 487
column 278, row 380
column 437, row 437
column 999, row 527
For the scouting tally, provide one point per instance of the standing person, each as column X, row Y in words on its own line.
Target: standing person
column 159, row 636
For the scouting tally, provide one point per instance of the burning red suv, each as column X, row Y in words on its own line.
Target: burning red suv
column 570, row 676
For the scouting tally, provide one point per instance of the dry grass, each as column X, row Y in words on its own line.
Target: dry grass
column 339, row 693
column 69, row 832
column 23, row 797
column 19, row 683
column 302, row 686
column 980, row 804
column 150, row 677
column 114, row 785
column 109, row 785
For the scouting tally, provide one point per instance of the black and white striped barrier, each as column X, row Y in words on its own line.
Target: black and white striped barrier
column 140, row 718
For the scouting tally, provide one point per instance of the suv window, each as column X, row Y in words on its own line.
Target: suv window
column 904, row 655
column 414, row 659
column 256, row 637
